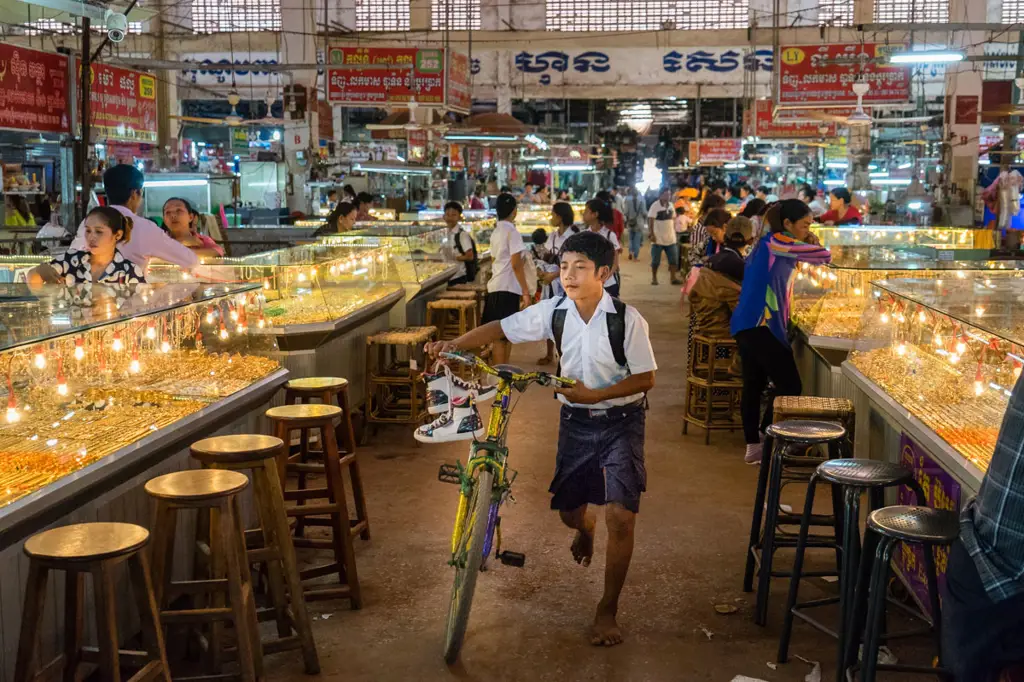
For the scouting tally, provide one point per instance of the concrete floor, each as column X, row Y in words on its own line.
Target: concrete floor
column 531, row 623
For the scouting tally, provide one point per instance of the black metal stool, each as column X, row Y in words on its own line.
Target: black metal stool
column 787, row 468
column 852, row 477
column 887, row 527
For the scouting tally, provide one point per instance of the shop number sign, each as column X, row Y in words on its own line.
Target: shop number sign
column 122, row 104
column 941, row 491
column 417, row 75
column 33, row 90
column 715, row 151
column 824, row 75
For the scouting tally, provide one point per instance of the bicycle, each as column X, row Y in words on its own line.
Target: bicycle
column 484, row 485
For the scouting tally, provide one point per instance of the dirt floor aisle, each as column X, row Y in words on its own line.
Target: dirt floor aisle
column 531, row 623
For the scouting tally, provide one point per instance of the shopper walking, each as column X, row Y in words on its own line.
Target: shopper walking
column 507, row 289
column 761, row 320
column 635, row 212
column 661, row 223
column 598, row 217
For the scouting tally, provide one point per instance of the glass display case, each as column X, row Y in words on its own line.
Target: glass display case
column 468, row 215
column 416, row 251
column 828, row 300
column 894, row 235
column 89, row 371
column 948, row 352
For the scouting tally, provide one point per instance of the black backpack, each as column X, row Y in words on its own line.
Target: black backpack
column 616, row 330
column 472, row 266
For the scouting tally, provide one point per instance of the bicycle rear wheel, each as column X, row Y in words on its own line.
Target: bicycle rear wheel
column 468, row 557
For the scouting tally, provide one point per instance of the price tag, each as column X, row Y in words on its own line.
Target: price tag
column 413, row 365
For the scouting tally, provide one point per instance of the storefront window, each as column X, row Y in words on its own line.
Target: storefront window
column 220, row 16
column 1013, row 11
column 910, row 11
column 646, row 15
column 455, row 15
column 835, row 13
column 382, row 15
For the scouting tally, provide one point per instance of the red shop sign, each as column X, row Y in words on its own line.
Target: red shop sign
column 460, row 87
column 716, row 150
column 122, row 104
column 823, row 75
column 787, row 128
column 33, row 90
column 423, row 83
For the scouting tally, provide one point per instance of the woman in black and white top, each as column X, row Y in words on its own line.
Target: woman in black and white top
column 102, row 262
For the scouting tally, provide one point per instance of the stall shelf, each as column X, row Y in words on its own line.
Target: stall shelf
column 104, row 389
column 894, row 235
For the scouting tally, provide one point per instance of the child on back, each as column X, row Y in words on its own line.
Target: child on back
column 601, row 426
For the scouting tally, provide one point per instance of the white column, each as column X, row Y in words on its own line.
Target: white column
column 963, row 82
column 300, row 135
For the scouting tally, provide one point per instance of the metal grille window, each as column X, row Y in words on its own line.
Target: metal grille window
column 646, row 15
column 382, row 15
column 835, row 13
column 911, row 11
column 455, row 15
column 1013, row 11
column 43, row 26
column 221, row 16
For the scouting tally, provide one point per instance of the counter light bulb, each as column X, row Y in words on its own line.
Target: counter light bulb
column 39, row 360
column 302, row 277
column 954, row 358
column 150, row 331
column 884, row 318
column 921, row 315
column 223, row 332
column 165, row 346
column 266, row 284
column 12, row 408
column 79, row 349
column 901, row 349
column 938, row 282
column 979, row 311
column 116, row 345
column 857, row 291
column 961, row 348
column 262, row 322
column 979, row 388
column 960, row 274
column 334, row 269
column 134, row 366
column 209, row 315
column 937, row 340
column 62, row 386
column 234, row 316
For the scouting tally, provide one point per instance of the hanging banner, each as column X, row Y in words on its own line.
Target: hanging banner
column 455, row 160
column 715, row 151
column 122, row 104
column 460, row 85
column 569, row 155
column 33, row 90
column 823, row 75
column 941, row 491
column 417, row 143
column 768, row 127
column 418, row 76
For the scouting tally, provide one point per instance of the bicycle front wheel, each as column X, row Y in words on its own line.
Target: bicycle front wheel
column 468, row 556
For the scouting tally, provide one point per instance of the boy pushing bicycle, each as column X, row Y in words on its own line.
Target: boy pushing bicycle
column 604, row 345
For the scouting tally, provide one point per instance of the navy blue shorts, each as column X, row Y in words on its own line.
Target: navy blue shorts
column 600, row 458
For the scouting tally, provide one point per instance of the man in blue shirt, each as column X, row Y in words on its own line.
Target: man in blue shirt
column 983, row 608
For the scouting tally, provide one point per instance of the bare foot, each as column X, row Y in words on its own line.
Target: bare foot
column 583, row 545
column 605, row 631
column 546, row 360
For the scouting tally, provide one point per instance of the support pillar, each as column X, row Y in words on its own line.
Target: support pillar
column 301, row 133
column 962, row 121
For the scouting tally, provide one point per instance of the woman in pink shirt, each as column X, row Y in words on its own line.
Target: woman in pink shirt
column 180, row 220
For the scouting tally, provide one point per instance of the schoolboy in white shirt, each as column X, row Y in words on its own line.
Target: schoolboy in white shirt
column 604, row 345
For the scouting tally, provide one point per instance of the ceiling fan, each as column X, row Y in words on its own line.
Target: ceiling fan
column 232, row 119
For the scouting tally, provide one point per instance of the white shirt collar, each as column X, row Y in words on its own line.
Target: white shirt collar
column 604, row 305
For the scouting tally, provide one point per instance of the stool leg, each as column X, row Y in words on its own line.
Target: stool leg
column 74, row 611
column 289, row 396
column 876, row 609
column 164, row 527
column 240, row 590
column 268, row 528
column 106, row 621
column 933, row 596
column 859, row 606
column 300, row 525
column 344, row 552
column 220, row 546
column 798, row 567
column 758, row 515
column 281, row 431
column 768, row 546
column 31, row 614
column 278, row 525
column 347, row 440
column 851, row 561
column 152, row 635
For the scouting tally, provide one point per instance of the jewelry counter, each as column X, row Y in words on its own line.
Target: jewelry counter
column 103, row 389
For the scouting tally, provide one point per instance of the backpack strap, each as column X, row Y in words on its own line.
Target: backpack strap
column 617, row 332
column 558, row 324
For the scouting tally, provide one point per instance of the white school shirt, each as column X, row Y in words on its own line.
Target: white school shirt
column 557, row 241
column 610, row 236
column 505, row 242
column 146, row 241
column 664, row 229
column 451, row 251
column 586, row 349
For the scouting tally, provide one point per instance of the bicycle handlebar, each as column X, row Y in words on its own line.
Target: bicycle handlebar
column 542, row 378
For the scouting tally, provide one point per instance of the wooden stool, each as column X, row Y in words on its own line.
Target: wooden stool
column 257, row 456
column 216, row 492
column 93, row 548
column 330, row 391
column 452, row 317
column 304, row 418
column 394, row 364
column 712, row 393
column 460, row 295
column 479, row 290
column 710, row 358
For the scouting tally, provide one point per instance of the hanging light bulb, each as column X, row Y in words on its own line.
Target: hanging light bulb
column 262, row 322
column 961, row 347
column 165, row 345
column 233, row 315
column 901, row 349
column 266, row 284
column 979, row 388
column 857, row 291
column 12, row 407
column 223, row 332
column 209, row 315
column 937, row 340
column 921, row 316
column 979, row 311
column 884, row 318
column 62, row 383
column 953, row 358
column 302, row 277
column 116, row 344
column 151, row 330
column 134, row 366
column 79, row 348
column 39, row 360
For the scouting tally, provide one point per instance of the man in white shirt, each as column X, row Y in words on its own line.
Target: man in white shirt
column 459, row 247
column 604, row 345
column 598, row 216
column 123, row 186
column 810, row 197
column 661, row 222
column 507, row 288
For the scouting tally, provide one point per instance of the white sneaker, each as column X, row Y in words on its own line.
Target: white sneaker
column 444, row 387
column 463, row 422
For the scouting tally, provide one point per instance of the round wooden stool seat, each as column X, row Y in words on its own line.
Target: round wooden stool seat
column 87, row 542
column 298, row 415
column 197, row 484
column 236, row 448
column 316, row 385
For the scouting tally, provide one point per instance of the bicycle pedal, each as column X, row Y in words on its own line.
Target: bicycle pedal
column 512, row 559
column 449, row 473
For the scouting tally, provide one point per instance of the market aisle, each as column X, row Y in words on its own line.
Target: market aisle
column 531, row 623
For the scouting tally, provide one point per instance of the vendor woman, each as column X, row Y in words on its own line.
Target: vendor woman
column 341, row 219
column 101, row 262
column 841, row 209
column 181, row 222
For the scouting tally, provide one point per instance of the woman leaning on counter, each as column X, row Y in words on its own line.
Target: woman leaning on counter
column 341, row 219
column 102, row 262
column 181, row 224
